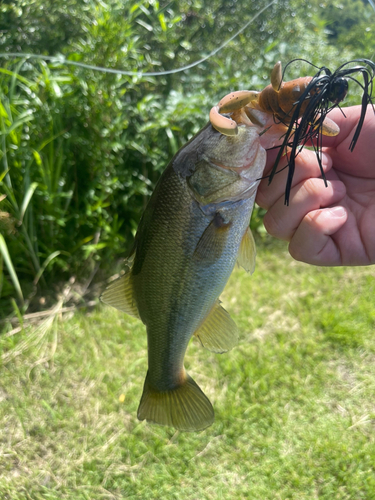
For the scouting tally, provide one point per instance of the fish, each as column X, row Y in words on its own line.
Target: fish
column 193, row 231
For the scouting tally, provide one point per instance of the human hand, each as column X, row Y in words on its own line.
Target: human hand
column 330, row 226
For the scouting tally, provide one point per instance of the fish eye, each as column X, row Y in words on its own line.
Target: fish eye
column 338, row 90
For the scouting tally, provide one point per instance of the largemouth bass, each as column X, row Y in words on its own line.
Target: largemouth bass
column 194, row 229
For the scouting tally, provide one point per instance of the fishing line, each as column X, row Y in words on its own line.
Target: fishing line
column 268, row 176
column 62, row 60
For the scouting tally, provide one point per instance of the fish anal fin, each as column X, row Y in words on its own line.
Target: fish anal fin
column 119, row 294
column 184, row 407
column 213, row 240
column 247, row 253
column 218, row 332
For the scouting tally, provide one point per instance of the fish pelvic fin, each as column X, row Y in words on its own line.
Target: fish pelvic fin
column 218, row 332
column 184, row 407
column 119, row 294
column 247, row 253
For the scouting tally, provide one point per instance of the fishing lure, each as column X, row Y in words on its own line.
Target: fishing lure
column 302, row 105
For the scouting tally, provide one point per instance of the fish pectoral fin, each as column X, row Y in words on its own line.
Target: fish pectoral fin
column 247, row 253
column 119, row 294
column 184, row 407
column 218, row 332
column 213, row 240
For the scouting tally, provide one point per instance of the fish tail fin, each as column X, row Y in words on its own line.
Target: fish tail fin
column 185, row 407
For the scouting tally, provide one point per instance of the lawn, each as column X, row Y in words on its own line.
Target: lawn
column 294, row 401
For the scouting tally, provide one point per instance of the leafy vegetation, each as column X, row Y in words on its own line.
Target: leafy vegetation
column 293, row 402
column 81, row 150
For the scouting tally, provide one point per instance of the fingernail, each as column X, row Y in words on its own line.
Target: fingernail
column 337, row 212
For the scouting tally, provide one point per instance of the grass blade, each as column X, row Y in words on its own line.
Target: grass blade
column 3, row 174
column 12, row 272
column 27, row 199
column 1, row 274
column 29, row 83
column 44, row 265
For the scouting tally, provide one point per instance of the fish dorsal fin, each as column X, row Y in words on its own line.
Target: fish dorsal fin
column 119, row 294
column 218, row 333
column 247, row 252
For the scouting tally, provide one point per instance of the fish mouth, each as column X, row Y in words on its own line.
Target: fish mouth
column 233, row 169
column 238, row 170
column 240, row 197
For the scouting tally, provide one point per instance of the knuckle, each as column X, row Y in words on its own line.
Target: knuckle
column 309, row 219
column 296, row 251
column 262, row 199
column 273, row 225
column 311, row 187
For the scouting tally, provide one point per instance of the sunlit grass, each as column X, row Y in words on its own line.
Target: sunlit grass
column 294, row 401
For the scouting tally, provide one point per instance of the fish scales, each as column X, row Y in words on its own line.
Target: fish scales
column 175, row 289
column 194, row 228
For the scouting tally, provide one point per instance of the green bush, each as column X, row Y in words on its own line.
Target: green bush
column 81, row 150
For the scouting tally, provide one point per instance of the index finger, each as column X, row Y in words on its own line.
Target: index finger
column 358, row 162
column 339, row 147
column 347, row 120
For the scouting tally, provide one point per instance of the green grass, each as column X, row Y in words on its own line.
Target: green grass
column 294, row 401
